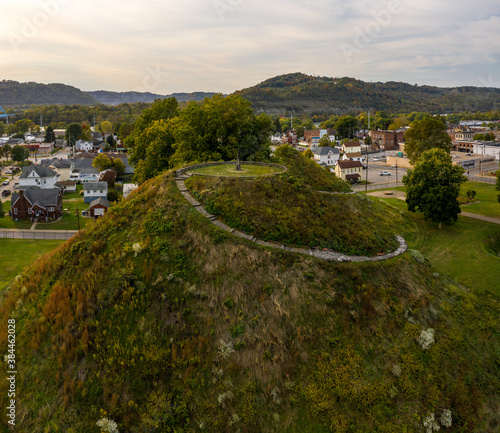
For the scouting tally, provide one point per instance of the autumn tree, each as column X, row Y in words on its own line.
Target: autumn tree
column 426, row 134
column 325, row 141
column 433, row 186
column 103, row 162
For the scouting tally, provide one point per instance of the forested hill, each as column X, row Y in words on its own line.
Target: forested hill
column 13, row 93
column 115, row 98
column 303, row 94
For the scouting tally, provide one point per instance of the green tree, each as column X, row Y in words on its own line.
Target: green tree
column 73, row 133
column 6, row 150
column 2, row 212
column 49, row 135
column 308, row 153
column 125, row 130
column 111, row 141
column 3, row 128
column 433, row 186
column 325, row 141
column 19, row 153
column 25, row 125
column 346, row 127
column 484, row 137
column 106, row 127
column 428, row 133
column 103, row 162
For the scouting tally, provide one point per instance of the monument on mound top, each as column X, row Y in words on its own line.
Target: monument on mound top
column 238, row 165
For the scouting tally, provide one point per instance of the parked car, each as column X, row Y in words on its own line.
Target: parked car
column 5, row 193
column 384, row 173
column 8, row 171
column 5, row 182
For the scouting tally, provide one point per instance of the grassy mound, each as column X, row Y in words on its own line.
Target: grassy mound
column 279, row 209
column 230, row 170
column 161, row 322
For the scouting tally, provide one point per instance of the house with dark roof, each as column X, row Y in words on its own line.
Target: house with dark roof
column 35, row 202
column 99, row 207
column 83, row 170
column 94, row 190
column 39, row 176
column 327, row 156
column 349, row 171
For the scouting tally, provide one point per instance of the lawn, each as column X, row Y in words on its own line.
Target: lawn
column 246, row 170
column 16, row 254
column 487, row 203
column 7, row 223
column 457, row 250
column 68, row 222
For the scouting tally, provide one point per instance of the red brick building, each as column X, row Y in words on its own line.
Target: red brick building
column 387, row 140
column 35, row 202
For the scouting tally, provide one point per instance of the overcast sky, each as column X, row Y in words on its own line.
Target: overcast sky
column 225, row 45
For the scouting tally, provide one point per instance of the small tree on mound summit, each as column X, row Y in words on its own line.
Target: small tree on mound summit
column 433, row 186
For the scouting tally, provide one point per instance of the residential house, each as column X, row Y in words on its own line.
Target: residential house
column 60, row 166
column 357, row 156
column 349, row 171
column 327, row 156
column 37, row 175
column 351, row 147
column 67, row 185
column 35, row 202
column 82, row 170
column 84, row 146
column 98, row 207
column 94, row 190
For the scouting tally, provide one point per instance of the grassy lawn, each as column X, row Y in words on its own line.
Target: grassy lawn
column 73, row 195
column 487, row 199
column 246, row 170
column 68, row 222
column 7, row 223
column 16, row 254
column 457, row 250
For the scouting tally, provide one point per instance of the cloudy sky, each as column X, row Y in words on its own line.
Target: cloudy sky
column 225, row 45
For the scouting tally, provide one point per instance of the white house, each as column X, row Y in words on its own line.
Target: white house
column 84, row 146
column 326, row 155
column 351, row 147
column 353, row 157
column 94, row 190
column 37, row 175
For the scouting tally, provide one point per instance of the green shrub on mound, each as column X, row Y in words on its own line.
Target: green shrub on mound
column 157, row 321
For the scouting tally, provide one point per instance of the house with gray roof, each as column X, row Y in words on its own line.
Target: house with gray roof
column 35, row 202
column 94, row 190
column 39, row 176
column 327, row 156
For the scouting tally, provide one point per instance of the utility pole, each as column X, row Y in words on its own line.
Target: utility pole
column 366, row 177
column 78, row 216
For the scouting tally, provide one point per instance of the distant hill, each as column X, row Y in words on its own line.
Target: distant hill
column 15, row 93
column 115, row 98
column 303, row 94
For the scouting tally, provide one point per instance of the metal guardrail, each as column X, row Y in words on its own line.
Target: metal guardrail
column 373, row 186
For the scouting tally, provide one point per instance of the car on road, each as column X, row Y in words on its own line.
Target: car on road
column 5, row 193
column 8, row 171
column 384, row 173
column 5, row 182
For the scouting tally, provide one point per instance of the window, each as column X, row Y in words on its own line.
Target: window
column 51, row 209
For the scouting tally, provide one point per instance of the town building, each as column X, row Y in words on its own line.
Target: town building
column 327, row 156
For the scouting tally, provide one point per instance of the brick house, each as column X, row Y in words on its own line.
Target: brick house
column 35, row 202
column 388, row 140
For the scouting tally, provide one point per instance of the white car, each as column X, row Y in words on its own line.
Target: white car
column 384, row 173
column 8, row 171
column 5, row 182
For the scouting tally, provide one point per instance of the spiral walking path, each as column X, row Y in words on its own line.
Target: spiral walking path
column 328, row 255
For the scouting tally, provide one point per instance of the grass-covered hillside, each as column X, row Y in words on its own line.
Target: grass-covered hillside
column 159, row 321
column 290, row 208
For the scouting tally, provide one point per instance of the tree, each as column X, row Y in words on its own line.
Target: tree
column 108, row 176
column 49, row 135
column 3, row 128
column 73, row 133
column 25, row 125
column 346, row 127
column 125, row 130
column 103, row 162
column 484, row 137
column 428, row 133
column 6, row 150
column 19, row 153
column 106, row 127
column 324, row 141
column 2, row 212
column 433, row 186
column 308, row 153
column 111, row 141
